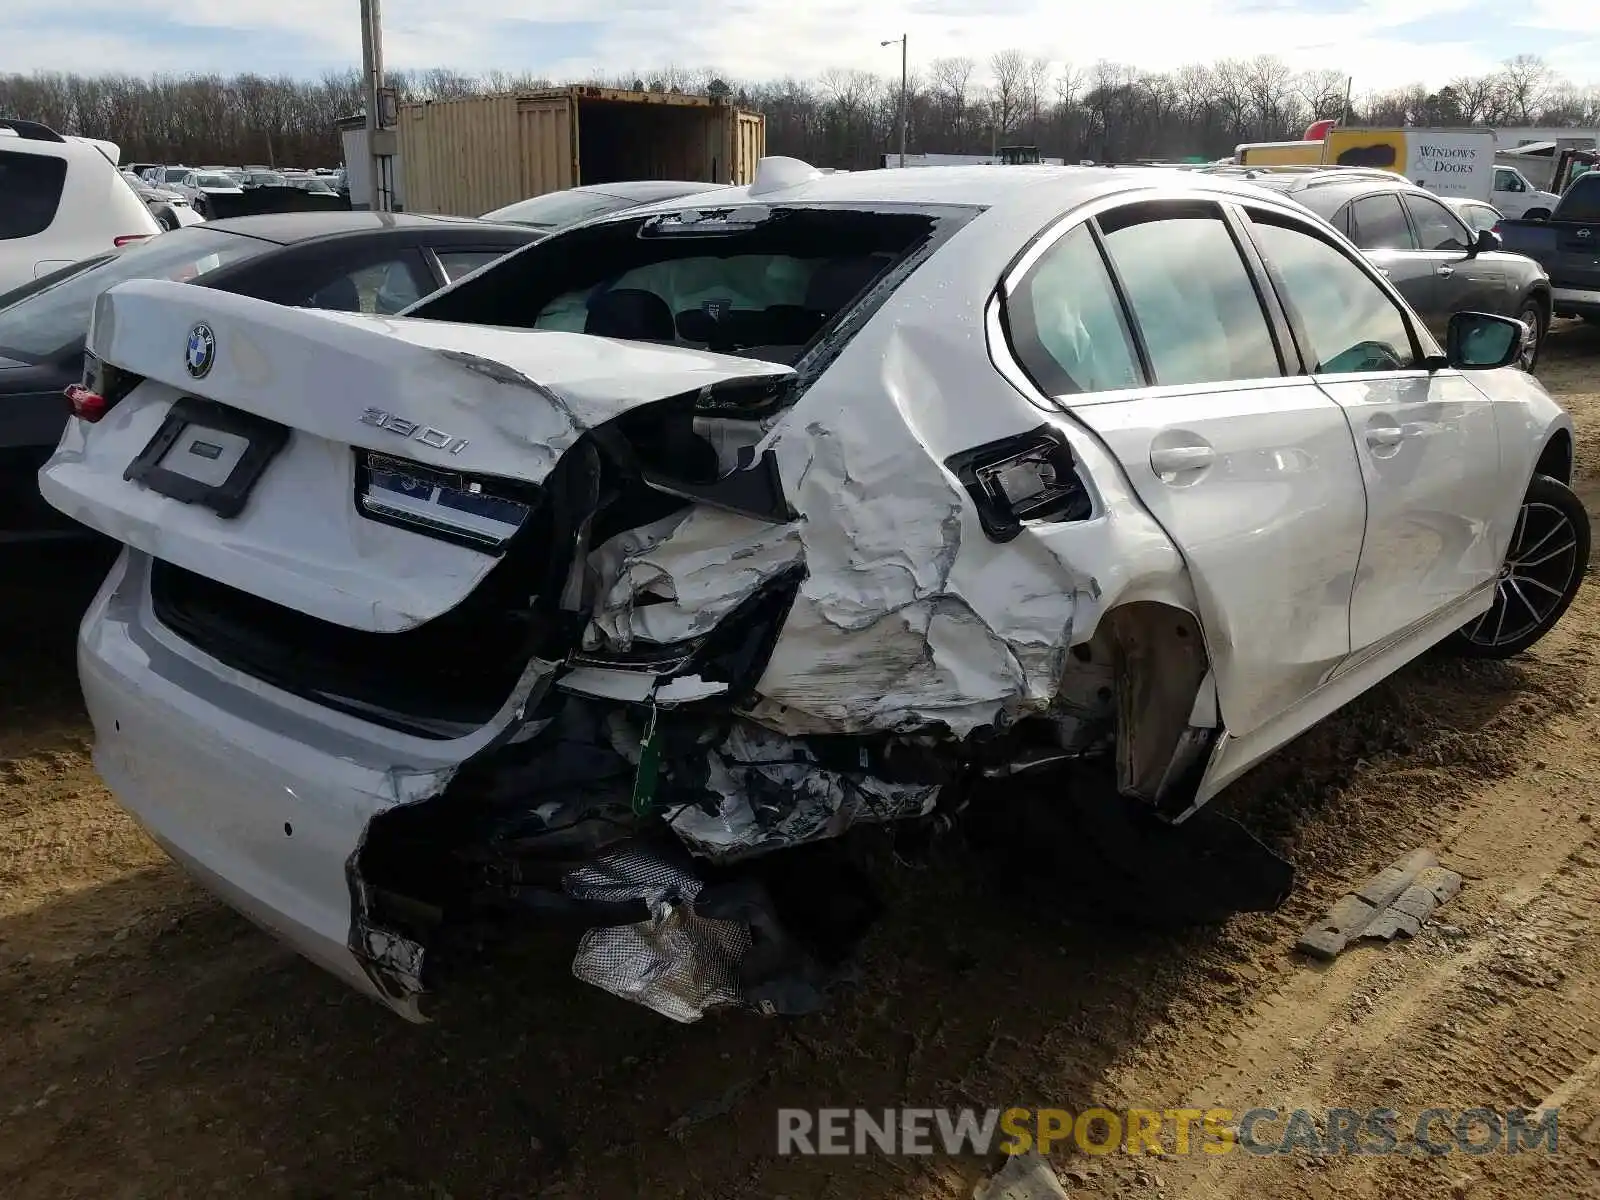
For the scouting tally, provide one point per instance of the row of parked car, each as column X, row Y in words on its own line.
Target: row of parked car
column 195, row 186
column 478, row 571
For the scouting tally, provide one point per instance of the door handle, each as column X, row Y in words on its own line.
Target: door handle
column 1385, row 436
column 1444, row 270
column 1171, row 460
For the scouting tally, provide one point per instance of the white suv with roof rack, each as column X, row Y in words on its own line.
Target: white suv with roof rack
column 61, row 199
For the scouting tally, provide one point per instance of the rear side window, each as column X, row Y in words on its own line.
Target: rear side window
column 1192, row 297
column 30, row 192
column 1379, row 223
column 1066, row 323
column 760, row 283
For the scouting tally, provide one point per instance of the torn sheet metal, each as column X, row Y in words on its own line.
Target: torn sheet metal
column 677, row 963
column 676, row 578
column 770, row 792
column 1397, row 900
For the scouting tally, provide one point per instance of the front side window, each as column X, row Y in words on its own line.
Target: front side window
column 46, row 322
column 1379, row 223
column 1436, row 228
column 1480, row 216
column 30, row 192
column 1066, row 324
column 757, row 282
column 1349, row 321
column 1582, row 201
column 1190, row 293
column 1508, row 181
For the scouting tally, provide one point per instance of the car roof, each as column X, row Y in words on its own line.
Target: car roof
column 288, row 228
column 997, row 188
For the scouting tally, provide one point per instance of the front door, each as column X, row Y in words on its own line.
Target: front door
column 1426, row 441
column 1464, row 281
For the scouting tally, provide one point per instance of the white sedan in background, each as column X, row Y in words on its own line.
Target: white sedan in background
column 668, row 547
column 198, row 186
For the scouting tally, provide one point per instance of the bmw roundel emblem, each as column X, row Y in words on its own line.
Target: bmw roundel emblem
column 202, row 351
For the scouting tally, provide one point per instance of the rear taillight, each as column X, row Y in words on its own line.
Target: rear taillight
column 100, row 389
column 128, row 239
column 86, row 405
column 1495, row 228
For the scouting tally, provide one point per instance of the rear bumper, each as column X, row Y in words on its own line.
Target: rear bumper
column 1575, row 302
column 227, row 782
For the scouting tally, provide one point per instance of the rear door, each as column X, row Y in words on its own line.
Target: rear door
column 1465, row 281
column 1252, row 474
column 1379, row 226
column 1427, row 440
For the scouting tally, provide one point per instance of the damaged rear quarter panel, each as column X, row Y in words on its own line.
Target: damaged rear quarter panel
column 909, row 615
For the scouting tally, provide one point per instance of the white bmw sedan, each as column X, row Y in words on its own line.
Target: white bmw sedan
column 706, row 530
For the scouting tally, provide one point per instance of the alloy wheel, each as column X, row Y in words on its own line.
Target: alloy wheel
column 1535, row 580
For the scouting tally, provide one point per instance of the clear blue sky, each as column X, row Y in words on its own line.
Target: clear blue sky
column 1385, row 44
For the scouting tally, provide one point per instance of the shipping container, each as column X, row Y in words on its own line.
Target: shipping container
column 466, row 157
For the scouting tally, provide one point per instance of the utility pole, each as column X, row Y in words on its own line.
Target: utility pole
column 891, row 41
column 380, row 140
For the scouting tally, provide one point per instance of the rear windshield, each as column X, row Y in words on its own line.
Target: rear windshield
column 557, row 209
column 218, row 181
column 48, row 322
column 1582, row 201
column 755, row 282
column 30, row 192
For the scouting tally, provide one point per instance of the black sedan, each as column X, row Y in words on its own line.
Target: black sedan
column 346, row 261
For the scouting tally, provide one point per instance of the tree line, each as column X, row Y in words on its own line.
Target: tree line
column 1105, row 111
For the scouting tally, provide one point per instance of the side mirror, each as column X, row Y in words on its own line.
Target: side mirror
column 1478, row 341
column 1487, row 241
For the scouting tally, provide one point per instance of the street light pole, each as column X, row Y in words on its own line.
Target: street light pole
column 891, row 41
column 378, row 159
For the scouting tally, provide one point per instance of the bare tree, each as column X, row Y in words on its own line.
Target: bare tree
column 1524, row 86
column 1007, row 94
column 843, row 118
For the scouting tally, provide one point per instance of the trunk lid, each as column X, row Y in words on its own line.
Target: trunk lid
column 469, row 404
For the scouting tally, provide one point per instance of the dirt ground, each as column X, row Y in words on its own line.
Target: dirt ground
column 154, row 1044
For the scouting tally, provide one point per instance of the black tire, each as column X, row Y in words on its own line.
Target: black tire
column 166, row 220
column 1532, row 313
column 1545, row 563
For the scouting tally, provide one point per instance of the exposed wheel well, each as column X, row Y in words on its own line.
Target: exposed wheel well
column 1535, row 214
column 1555, row 460
column 1161, row 667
